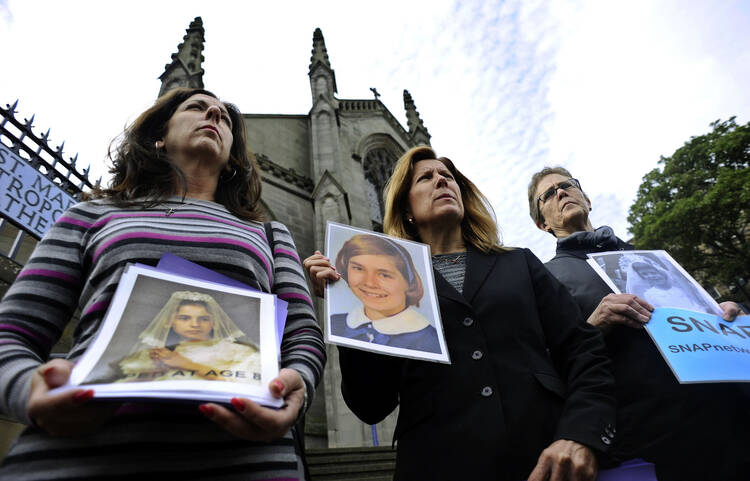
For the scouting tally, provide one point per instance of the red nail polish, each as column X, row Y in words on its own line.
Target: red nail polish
column 47, row 370
column 238, row 404
column 206, row 410
column 82, row 396
column 279, row 384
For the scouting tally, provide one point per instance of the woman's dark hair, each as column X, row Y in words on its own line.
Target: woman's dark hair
column 141, row 171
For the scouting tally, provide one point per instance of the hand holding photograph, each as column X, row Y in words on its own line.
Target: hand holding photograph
column 653, row 276
column 174, row 337
column 686, row 325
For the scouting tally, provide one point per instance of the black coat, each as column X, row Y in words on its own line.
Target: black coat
column 675, row 426
column 525, row 371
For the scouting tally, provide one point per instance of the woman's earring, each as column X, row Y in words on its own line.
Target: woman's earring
column 159, row 144
column 227, row 179
column 410, row 220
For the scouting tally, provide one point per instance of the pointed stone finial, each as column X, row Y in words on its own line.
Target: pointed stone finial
column 417, row 130
column 319, row 52
column 185, row 68
column 322, row 76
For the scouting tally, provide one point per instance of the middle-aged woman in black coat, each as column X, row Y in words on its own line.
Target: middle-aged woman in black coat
column 528, row 393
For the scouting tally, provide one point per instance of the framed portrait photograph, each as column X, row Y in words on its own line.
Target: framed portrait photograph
column 385, row 301
column 653, row 276
column 175, row 337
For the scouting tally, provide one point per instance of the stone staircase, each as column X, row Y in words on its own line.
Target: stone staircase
column 351, row 464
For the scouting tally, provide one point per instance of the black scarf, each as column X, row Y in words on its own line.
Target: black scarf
column 602, row 239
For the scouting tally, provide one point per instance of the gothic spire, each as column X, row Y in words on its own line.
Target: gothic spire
column 319, row 52
column 319, row 62
column 417, row 130
column 185, row 68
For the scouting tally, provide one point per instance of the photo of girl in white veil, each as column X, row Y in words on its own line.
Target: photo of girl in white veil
column 192, row 338
column 650, row 280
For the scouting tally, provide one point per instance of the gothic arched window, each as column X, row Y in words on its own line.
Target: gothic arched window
column 378, row 166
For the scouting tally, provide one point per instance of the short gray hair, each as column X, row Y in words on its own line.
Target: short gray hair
column 534, row 211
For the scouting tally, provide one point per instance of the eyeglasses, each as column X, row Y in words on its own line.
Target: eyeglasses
column 549, row 193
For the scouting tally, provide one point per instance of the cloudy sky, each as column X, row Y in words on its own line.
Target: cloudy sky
column 504, row 87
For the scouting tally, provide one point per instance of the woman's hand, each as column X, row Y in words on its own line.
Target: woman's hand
column 731, row 310
column 68, row 413
column 254, row 422
column 626, row 309
column 565, row 460
column 320, row 270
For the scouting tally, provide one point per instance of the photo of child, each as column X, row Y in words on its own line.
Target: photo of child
column 381, row 274
column 192, row 338
column 387, row 302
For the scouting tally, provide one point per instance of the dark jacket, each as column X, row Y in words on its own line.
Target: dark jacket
column 672, row 425
column 525, row 371
column 569, row 266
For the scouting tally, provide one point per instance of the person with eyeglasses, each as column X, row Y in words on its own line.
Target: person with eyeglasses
column 671, row 425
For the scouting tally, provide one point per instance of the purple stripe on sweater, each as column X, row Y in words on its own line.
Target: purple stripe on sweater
column 305, row 329
column 317, row 352
column 12, row 341
column 97, row 306
column 208, row 240
column 136, row 215
column 284, row 251
column 47, row 273
column 41, row 338
column 70, row 220
column 294, row 295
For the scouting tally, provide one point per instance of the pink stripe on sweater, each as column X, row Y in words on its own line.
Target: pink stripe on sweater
column 178, row 215
column 10, row 327
column 47, row 273
column 304, row 329
column 317, row 352
column 70, row 220
column 285, row 251
column 294, row 295
column 97, row 306
column 207, row 240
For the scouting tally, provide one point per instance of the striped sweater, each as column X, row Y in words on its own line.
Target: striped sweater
column 77, row 265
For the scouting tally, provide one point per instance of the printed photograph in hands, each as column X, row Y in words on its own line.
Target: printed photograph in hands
column 385, row 301
column 653, row 276
column 170, row 336
column 190, row 337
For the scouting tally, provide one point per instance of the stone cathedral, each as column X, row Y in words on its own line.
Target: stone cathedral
column 329, row 164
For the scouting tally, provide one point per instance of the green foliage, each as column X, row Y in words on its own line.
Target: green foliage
column 696, row 205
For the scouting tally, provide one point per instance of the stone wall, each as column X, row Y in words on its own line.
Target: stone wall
column 284, row 139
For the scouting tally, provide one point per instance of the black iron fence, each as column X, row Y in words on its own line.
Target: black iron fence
column 56, row 182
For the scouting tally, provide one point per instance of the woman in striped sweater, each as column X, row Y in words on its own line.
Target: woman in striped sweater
column 183, row 183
